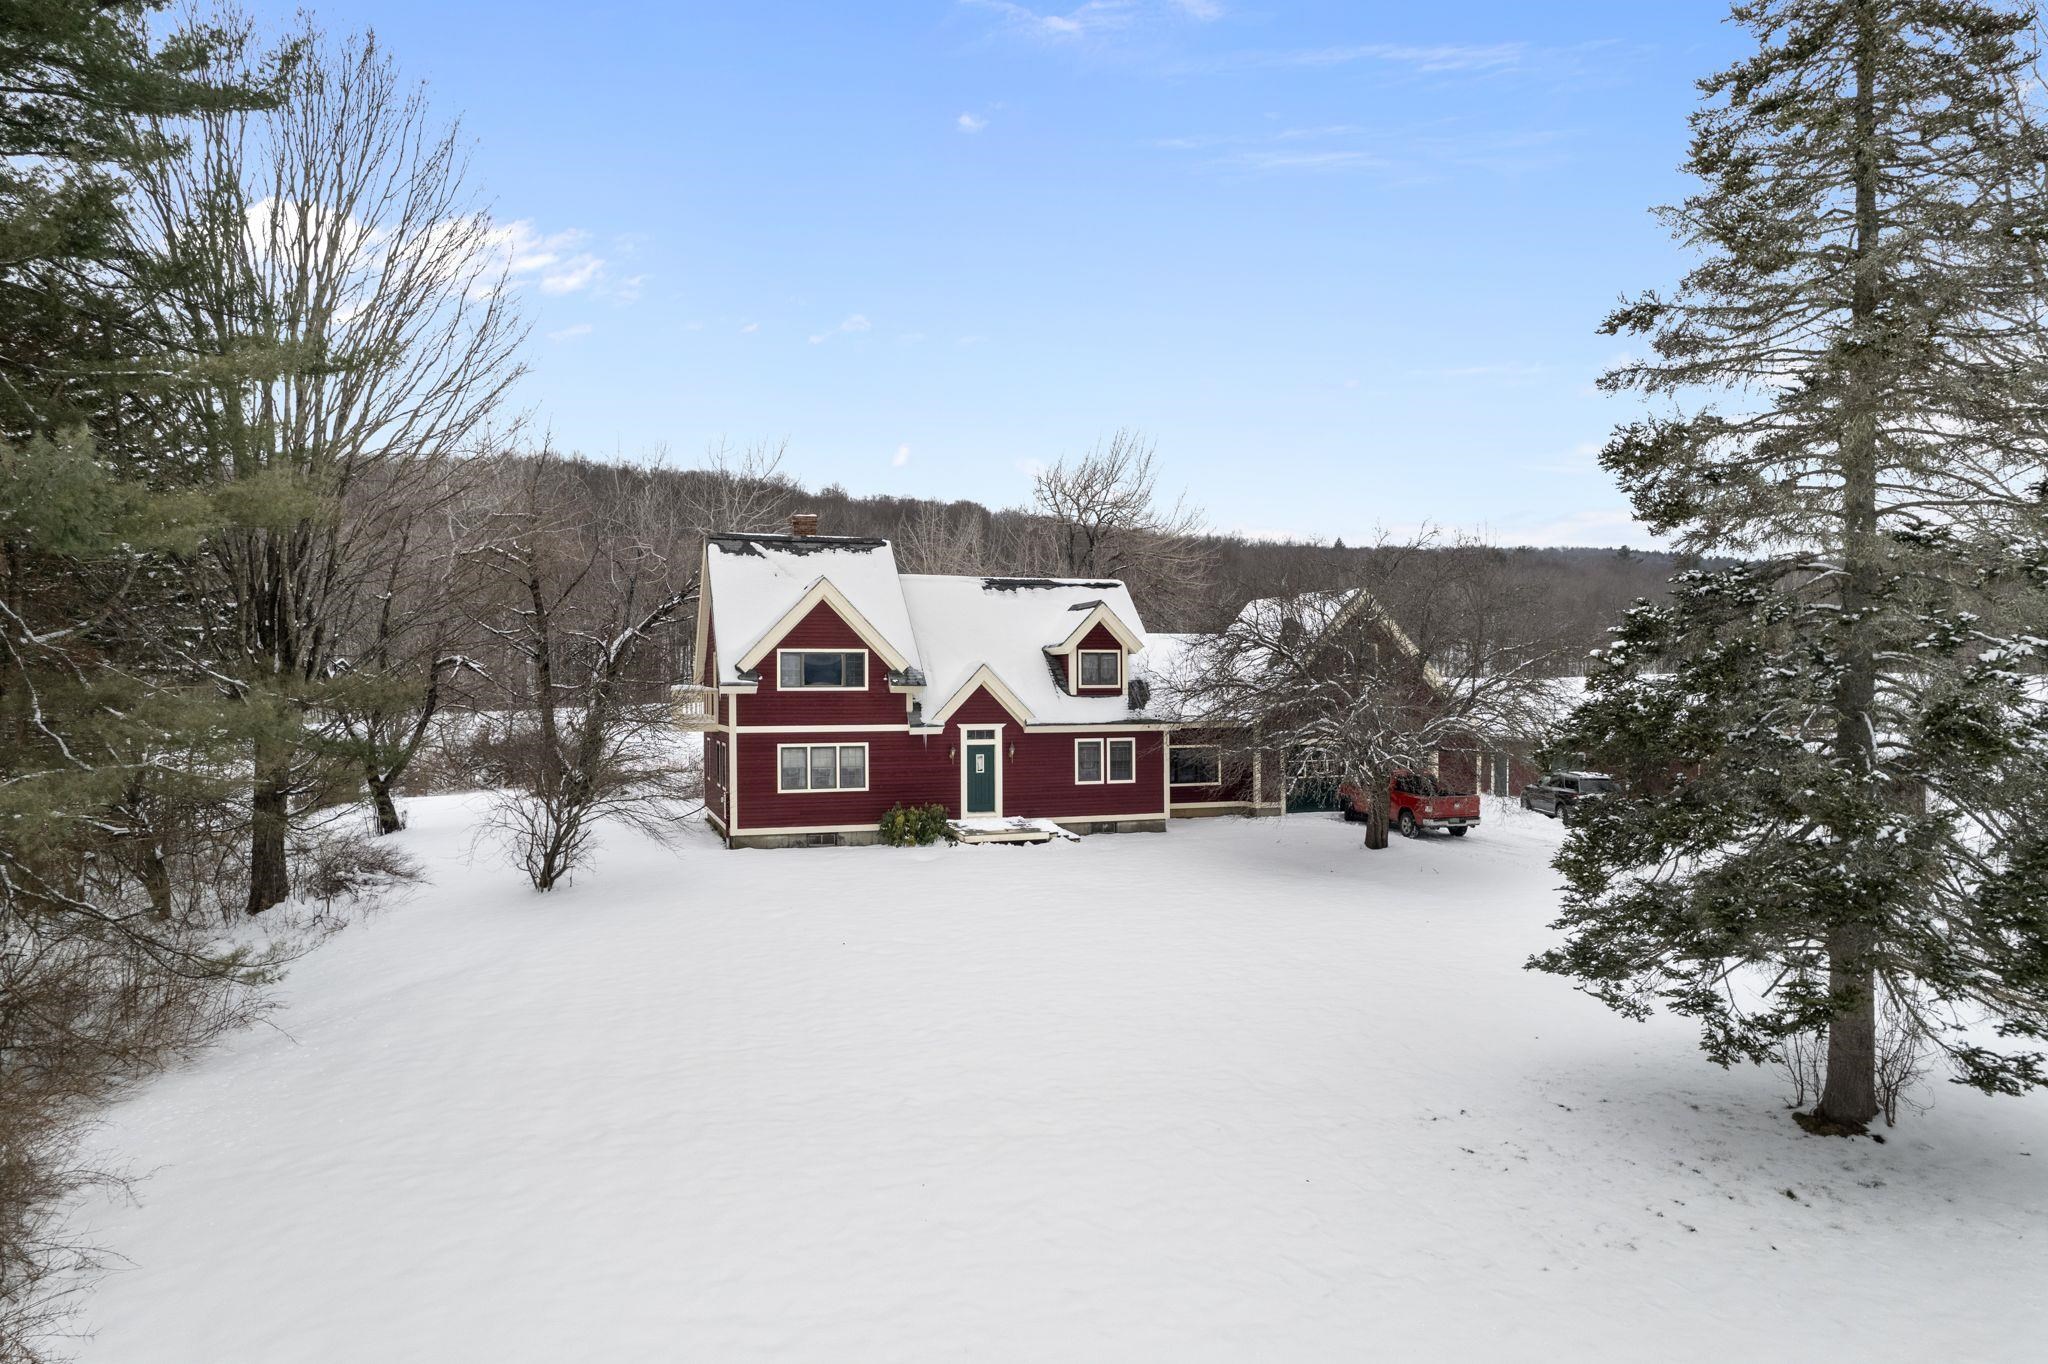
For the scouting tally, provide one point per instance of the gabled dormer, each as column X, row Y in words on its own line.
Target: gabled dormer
column 1095, row 657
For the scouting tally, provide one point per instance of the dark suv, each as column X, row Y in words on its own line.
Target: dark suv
column 1558, row 792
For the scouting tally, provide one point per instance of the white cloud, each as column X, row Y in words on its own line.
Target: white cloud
column 555, row 260
column 1568, row 64
column 572, row 275
column 1421, row 152
column 900, row 458
column 1425, row 58
column 470, row 253
column 1094, row 18
column 968, row 123
column 750, row 329
column 857, row 322
column 570, row 332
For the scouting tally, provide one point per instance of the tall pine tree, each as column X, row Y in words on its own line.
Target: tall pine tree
column 1852, row 386
column 102, row 749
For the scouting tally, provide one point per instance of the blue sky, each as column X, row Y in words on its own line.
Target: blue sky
column 1343, row 262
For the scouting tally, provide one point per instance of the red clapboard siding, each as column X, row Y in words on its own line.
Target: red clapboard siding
column 1038, row 783
column 910, row 769
column 903, row 769
column 823, row 629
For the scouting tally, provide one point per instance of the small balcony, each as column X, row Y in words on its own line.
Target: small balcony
column 694, row 707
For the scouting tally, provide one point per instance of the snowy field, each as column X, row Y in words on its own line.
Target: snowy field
column 1236, row 1092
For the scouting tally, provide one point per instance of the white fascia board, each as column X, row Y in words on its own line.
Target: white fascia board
column 984, row 676
column 822, row 591
column 703, row 614
column 1101, row 615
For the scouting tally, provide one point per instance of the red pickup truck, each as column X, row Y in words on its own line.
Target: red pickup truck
column 1417, row 802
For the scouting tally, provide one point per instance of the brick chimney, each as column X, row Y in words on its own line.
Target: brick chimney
column 803, row 524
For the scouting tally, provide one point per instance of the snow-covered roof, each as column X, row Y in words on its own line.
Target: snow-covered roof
column 965, row 624
column 756, row 581
column 1314, row 612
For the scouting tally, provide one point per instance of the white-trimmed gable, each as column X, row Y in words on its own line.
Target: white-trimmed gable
column 1100, row 614
column 822, row 593
column 756, row 587
column 984, row 679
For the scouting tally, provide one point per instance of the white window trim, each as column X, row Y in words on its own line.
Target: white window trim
column 1108, row 744
column 1217, row 749
column 1101, row 763
column 867, row 669
column 1079, row 670
column 866, row 771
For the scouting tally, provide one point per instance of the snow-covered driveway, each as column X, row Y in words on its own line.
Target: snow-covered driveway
column 1239, row 1091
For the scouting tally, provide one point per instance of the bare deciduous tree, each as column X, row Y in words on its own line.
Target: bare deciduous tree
column 946, row 538
column 577, row 587
column 1105, row 520
column 1343, row 683
column 410, row 643
column 343, row 300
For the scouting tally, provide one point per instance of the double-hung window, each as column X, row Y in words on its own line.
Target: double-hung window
column 822, row 767
column 1101, row 668
column 1100, row 760
column 845, row 670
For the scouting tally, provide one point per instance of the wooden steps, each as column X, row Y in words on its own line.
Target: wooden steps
column 1008, row 831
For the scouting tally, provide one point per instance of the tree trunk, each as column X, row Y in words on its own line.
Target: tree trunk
column 155, row 875
column 1848, row 1099
column 269, row 821
column 388, row 821
column 1378, row 816
column 554, row 853
column 1849, row 1095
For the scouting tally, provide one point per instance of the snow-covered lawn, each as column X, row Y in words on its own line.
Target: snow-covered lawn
column 1240, row 1091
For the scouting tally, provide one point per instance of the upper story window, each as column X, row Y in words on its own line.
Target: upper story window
column 846, row 670
column 1102, row 668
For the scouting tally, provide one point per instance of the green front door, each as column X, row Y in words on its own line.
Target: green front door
column 979, row 755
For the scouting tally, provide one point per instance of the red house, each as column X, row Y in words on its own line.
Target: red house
column 832, row 687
